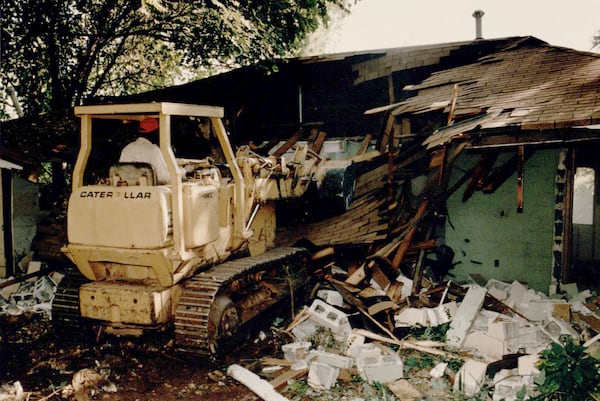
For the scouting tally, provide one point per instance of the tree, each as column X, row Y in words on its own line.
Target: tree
column 56, row 53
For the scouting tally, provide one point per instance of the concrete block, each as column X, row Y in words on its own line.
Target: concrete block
column 367, row 354
column 530, row 339
column 300, row 365
column 467, row 311
column 385, row 369
column 322, row 376
column 489, row 347
column 331, row 297
column 304, row 330
column 521, row 296
column 527, row 365
column 44, row 289
column 296, row 351
column 335, row 360
column 507, row 331
column 507, row 385
column 353, row 344
column 540, row 310
column 498, row 289
column 503, row 329
column 331, row 318
column 470, row 377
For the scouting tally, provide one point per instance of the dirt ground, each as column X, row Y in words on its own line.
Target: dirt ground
column 146, row 368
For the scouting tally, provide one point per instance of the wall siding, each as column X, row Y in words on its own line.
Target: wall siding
column 489, row 237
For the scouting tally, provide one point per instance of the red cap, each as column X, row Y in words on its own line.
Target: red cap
column 148, row 125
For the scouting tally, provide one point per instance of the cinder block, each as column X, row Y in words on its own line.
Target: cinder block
column 335, row 360
column 470, row 377
column 385, row 369
column 295, row 351
column 322, row 376
column 44, row 289
column 353, row 344
column 331, row 318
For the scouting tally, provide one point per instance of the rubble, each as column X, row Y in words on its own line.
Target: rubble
column 29, row 293
column 491, row 338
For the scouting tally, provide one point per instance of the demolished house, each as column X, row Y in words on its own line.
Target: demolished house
column 466, row 215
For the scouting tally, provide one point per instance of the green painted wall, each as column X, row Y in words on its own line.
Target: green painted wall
column 489, row 237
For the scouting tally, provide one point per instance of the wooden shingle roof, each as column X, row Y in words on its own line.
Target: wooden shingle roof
column 530, row 86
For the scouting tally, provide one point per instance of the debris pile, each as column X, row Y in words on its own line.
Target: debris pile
column 29, row 293
column 470, row 340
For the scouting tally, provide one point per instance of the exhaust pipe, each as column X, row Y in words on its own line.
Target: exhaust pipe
column 478, row 14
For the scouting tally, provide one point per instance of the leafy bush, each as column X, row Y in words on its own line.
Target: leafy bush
column 570, row 373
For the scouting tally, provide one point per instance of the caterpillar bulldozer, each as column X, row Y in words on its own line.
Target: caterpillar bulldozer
column 195, row 254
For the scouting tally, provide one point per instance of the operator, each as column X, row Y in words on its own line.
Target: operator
column 145, row 151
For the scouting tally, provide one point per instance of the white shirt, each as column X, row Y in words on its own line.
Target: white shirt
column 143, row 151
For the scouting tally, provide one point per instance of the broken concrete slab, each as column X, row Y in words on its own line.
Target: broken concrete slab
column 470, row 377
column 466, row 314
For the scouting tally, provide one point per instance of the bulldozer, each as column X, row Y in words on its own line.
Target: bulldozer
column 195, row 254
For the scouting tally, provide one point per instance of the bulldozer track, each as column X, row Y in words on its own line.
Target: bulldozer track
column 66, row 318
column 196, row 336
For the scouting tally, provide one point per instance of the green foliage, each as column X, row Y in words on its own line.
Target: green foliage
column 323, row 337
column 57, row 53
column 437, row 333
column 569, row 373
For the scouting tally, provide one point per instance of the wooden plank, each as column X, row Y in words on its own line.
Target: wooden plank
column 281, row 381
column 520, row 162
column 407, row 240
column 317, row 145
column 287, row 145
column 364, row 145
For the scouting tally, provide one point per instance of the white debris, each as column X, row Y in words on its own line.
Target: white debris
column 12, row 392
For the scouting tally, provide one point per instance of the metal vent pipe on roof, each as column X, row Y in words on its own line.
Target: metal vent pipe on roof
column 478, row 15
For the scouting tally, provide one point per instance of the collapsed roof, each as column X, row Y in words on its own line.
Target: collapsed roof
column 528, row 93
